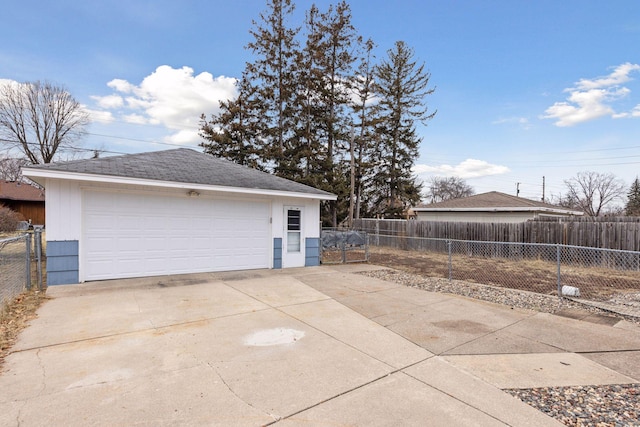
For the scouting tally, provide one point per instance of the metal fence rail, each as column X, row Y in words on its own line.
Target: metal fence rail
column 20, row 265
column 605, row 278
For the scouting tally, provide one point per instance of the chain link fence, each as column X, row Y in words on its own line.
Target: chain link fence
column 20, row 265
column 344, row 246
column 606, row 278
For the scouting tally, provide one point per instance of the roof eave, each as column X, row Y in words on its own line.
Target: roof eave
column 75, row 176
column 502, row 209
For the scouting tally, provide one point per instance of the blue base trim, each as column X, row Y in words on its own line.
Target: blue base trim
column 311, row 251
column 62, row 262
column 277, row 252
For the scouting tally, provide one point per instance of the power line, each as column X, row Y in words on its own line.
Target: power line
column 71, row 147
column 635, row 147
column 136, row 140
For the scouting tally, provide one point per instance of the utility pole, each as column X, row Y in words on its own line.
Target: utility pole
column 542, row 188
column 517, row 189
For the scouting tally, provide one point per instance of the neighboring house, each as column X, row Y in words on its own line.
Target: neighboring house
column 25, row 199
column 490, row 207
column 171, row 212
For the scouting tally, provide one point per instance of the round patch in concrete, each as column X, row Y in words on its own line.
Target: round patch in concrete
column 276, row 336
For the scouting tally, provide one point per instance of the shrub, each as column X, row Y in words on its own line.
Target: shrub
column 9, row 219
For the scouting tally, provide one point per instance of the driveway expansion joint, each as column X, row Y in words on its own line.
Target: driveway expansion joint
column 345, row 392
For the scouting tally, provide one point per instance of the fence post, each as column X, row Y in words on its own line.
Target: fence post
column 27, row 238
column 449, row 250
column 321, row 249
column 37, row 241
column 558, row 257
column 366, row 247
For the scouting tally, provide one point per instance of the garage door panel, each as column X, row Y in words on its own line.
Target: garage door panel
column 181, row 243
column 134, row 235
column 128, row 222
column 103, row 222
column 127, row 266
column 101, row 267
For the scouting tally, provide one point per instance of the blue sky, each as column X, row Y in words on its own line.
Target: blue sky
column 524, row 89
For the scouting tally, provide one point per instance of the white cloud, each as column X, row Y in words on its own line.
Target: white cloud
column 109, row 101
column 523, row 122
column 591, row 98
column 99, row 116
column 184, row 136
column 170, row 97
column 470, row 168
column 619, row 76
column 8, row 82
column 120, row 85
column 136, row 119
column 633, row 113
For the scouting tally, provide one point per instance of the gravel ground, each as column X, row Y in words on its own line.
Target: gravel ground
column 499, row 295
column 617, row 405
column 599, row 406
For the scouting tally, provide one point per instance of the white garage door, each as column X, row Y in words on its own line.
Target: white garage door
column 136, row 235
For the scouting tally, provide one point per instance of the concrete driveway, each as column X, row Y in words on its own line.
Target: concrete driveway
column 312, row 346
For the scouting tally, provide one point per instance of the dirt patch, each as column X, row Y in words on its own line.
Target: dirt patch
column 336, row 256
column 15, row 316
column 532, row 275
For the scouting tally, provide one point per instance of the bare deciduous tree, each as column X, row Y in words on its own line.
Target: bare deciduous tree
column 447, row 188
column 594, row 191
column 10, row 168
column 40, row 119
column 566, row 201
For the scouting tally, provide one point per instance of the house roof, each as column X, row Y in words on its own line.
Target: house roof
column 14, row 190
column 494, row 201
column 182, row 165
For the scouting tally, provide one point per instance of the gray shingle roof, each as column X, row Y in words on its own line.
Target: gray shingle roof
column 493, row 200
column 185, row 166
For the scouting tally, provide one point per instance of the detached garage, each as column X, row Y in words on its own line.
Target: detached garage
column 173, row 212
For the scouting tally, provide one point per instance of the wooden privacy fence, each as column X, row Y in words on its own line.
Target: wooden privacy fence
column 604, row 233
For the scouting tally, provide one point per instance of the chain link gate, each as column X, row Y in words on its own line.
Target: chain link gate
column 344, row 246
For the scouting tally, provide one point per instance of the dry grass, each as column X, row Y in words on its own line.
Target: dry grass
column 15, row 316
column 335, row 256
column 7, row 235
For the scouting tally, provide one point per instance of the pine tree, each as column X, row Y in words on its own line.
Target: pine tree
column 308, row 129
column 232, row 133
column 311, row 116
column 401, row 86
column 255, row 129
column 272, row 80
column 330, row 63
column 364, row 111
column 633, row 204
